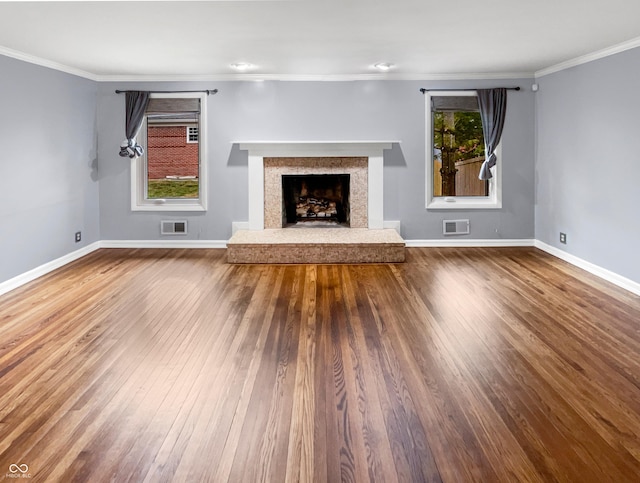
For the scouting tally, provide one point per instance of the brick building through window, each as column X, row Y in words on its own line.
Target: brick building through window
column 169, row 154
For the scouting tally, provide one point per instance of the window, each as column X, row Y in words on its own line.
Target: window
column 171, row 174
column 192, row 134
column 455, row 153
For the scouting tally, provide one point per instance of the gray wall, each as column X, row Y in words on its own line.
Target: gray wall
column 588, row 162
column 587, row 166
column 285, row 111
column 48, row 177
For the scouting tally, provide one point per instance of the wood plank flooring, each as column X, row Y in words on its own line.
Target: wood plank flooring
column 460, row 365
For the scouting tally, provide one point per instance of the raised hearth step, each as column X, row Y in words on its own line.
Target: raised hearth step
column 316, row 245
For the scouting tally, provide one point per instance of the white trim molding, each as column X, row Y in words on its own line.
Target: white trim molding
column 163, row 244
column 392, row 225
column 492, row 201
column 614, row 278
column 584, row 59
column 138, row 170
column 465, row 242
column 596, row 270
column 256, row 77
column 45, row 268
column 238, row 225
column 49, row 64
column 408, row 76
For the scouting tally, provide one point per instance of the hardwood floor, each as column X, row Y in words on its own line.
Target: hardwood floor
column 488, row 365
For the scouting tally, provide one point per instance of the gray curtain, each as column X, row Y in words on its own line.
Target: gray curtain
column 136, row 104
column 493, row 107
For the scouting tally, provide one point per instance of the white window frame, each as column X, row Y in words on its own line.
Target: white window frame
column 492, row 201
column 189, row 134
column 139, row 201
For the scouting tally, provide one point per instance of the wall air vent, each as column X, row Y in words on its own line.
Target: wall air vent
column 173, row 227
column 455, row 227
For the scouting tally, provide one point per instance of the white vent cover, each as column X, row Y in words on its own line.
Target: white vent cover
column 173, row 227
column 455, row 227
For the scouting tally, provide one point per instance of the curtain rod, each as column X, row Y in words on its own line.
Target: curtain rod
column 423, row 90
column 214, row 91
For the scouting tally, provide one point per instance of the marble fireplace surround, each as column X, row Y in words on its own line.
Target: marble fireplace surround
column 315, row 157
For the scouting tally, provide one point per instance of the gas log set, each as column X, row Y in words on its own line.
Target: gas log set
column 310, row 207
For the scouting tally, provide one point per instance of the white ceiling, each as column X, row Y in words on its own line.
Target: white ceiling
column 314, row 38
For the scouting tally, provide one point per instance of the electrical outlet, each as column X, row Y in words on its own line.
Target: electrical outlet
column 563, row 238
column 78, row 236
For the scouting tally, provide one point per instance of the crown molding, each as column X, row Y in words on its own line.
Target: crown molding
column 32, row 59
column 312, row 77
column 583, row 59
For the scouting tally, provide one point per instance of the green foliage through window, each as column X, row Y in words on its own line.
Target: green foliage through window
column 458, row 147
column 159, row 188
column 458, row 134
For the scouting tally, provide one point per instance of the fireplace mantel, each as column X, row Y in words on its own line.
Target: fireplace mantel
column 373, row 150
column 309, row 149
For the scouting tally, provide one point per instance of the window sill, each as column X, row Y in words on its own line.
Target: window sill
column 463, row 203
column 163, row 205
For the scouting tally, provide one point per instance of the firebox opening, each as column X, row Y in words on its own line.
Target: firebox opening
column 315, row 200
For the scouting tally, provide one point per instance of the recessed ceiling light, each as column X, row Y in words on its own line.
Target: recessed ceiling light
column 242, row 66
column 383, row 66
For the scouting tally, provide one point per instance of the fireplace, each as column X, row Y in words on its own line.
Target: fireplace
column 269, row 161
column 309, row 167
column 315, row 200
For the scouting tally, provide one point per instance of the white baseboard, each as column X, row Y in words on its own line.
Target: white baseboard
column 238, row 225
column 163, row 244
column 465, row 242
column 31, row 275
column 392, row 224
column 603, row 273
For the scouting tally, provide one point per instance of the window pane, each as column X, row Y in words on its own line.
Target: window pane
column 192, row 134
column 458, row 147
column 172, row 161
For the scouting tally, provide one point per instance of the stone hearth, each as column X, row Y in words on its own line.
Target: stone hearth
column 316, row 245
